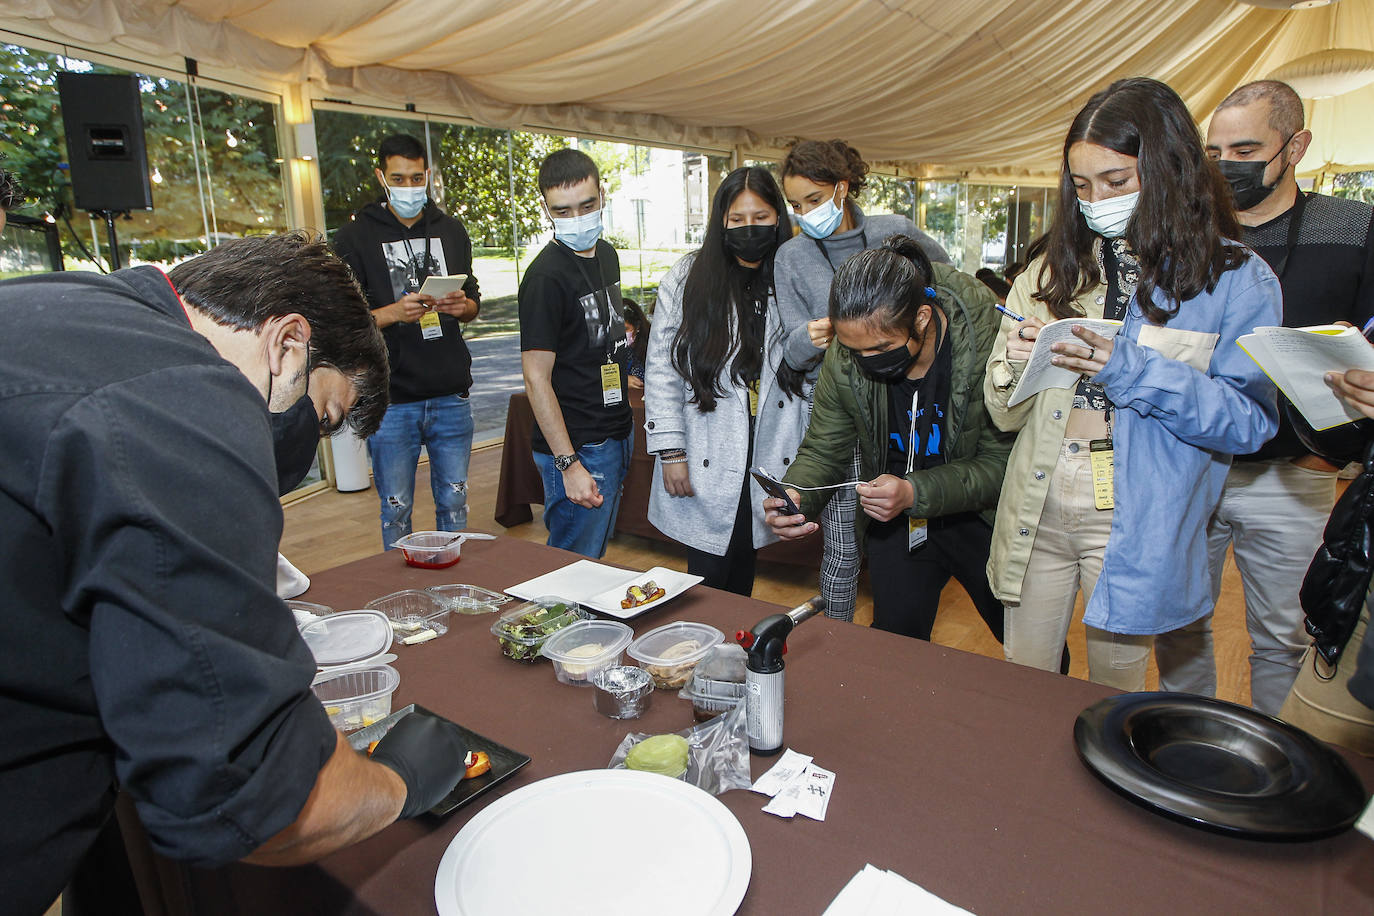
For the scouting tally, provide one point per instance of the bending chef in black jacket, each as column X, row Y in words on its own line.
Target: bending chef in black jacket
column 142, row 644
column 393, row 246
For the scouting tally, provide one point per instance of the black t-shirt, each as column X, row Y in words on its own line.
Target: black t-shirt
column 931, row 394
column 390, row 260
column 1328, row 276
column 570, row 305
column 142, row 640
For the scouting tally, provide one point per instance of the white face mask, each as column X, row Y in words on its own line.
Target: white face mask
column 407, row 202
column 1108, row 218
column 578, row 232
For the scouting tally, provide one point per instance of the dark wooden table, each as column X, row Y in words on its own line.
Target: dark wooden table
column 955, row 770
column 520, row 486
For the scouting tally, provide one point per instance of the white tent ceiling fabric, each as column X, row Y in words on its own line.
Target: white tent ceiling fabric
column 935, row 87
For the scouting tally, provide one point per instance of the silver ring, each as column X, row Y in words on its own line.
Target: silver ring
column 1020, row 333
column 1092, row 351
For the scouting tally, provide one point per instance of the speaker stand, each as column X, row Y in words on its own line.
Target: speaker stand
column 109, row 217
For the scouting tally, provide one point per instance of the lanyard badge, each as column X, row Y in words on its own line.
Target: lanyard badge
column 917, row 529
column 1100, row 456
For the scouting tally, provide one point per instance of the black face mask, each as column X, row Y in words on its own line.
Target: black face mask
column 751, row 243
column 295, row 436
column 1247, row 179
column 887, row 366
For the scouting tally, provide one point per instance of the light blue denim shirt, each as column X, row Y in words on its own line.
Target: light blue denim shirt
column 1175, row 429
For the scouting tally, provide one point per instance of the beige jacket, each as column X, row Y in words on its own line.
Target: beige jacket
column 1039, row 423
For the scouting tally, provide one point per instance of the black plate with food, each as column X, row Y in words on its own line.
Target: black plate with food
column 504, row 761
column 1219, row 766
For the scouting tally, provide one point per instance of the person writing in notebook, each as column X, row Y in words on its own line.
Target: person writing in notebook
column 1111, row 482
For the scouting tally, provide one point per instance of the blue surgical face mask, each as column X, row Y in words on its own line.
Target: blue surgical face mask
column 407, row 202
column 1108, row 218
column 820, row 222
column 578, row 232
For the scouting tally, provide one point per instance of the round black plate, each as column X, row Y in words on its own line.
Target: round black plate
column 1218, row 766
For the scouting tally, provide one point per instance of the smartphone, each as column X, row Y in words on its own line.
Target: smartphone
column 774, row 487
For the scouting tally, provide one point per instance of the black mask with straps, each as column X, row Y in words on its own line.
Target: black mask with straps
column 1247, row 178
column 295, row 439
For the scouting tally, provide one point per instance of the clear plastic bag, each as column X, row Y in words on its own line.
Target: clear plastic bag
column 717, row 752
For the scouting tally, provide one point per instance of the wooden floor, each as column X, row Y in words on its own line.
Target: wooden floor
column 331, row 528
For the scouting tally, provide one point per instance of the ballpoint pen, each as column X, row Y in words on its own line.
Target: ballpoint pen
column 1015, row 317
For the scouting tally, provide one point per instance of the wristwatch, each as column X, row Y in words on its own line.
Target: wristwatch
column 563, row 462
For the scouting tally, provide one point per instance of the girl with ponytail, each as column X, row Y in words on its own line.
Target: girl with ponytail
column 903, row 384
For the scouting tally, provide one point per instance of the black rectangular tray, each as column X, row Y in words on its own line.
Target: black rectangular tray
column 504, row 761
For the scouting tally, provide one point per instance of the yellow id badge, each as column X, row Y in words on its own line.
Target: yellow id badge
column 916, row 531
column 1100, row 454
column 754, row 398
column 610, row 384
column 429, row 325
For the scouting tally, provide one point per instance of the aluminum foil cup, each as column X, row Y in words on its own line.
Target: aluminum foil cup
column 622, row 692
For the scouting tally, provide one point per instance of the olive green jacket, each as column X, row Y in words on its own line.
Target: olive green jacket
column 851, row 407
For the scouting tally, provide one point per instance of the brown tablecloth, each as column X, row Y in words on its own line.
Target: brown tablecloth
column 520, row 486
column 957, row 771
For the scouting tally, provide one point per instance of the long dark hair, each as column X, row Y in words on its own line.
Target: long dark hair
column 718, row 299
column 884, row 286
column 635, row 318
column 1182, row 219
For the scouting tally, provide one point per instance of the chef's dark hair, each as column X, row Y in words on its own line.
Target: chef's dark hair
column 884, row 286
column 244, row 283
column 567, row 167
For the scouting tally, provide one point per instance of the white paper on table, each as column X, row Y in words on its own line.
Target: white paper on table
column 1366, row 822
column 789, row 766
column 1040, row 373
column 814, row 788
column 875, row 892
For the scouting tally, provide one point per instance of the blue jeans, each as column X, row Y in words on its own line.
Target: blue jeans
column 444, row 427
column 577, row 528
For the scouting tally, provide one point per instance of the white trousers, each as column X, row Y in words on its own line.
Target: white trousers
column 1067, row 556
column 1272, row 514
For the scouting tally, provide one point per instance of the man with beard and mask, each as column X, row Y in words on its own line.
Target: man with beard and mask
column 393, row 246
column 144, row 649
column 906, row 385
column 1277, row 499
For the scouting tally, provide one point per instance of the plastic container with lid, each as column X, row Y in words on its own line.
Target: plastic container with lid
column 717, row 682
column 354, row 685
column 356, row 697
column 670, row 652
column 414, row 614
column 522, row 630
column 581, row 650
column 469, row 599
column 431, row 549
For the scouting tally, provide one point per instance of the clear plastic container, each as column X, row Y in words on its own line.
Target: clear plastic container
column 522, row 630
column 431, row 549
column 469, row 599
column 670, row 652
column 413, row 612
column 348, row 637
column 354, row 698
column 581, row 650
column 717, row 682
column 310, row 607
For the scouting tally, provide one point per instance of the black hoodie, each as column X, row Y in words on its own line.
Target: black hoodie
column 372, row 244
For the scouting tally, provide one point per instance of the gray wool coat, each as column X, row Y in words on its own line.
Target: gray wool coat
column 716, row 442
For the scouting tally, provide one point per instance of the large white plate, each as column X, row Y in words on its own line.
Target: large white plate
column 600, row 587
column 597, row 842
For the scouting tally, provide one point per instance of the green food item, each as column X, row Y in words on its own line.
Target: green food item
column 662, row 754
column 524, row 635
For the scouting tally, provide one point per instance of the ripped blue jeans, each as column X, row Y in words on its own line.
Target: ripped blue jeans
column 443, row 426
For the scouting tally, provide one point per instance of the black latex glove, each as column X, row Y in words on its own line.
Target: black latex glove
column 428, row 754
